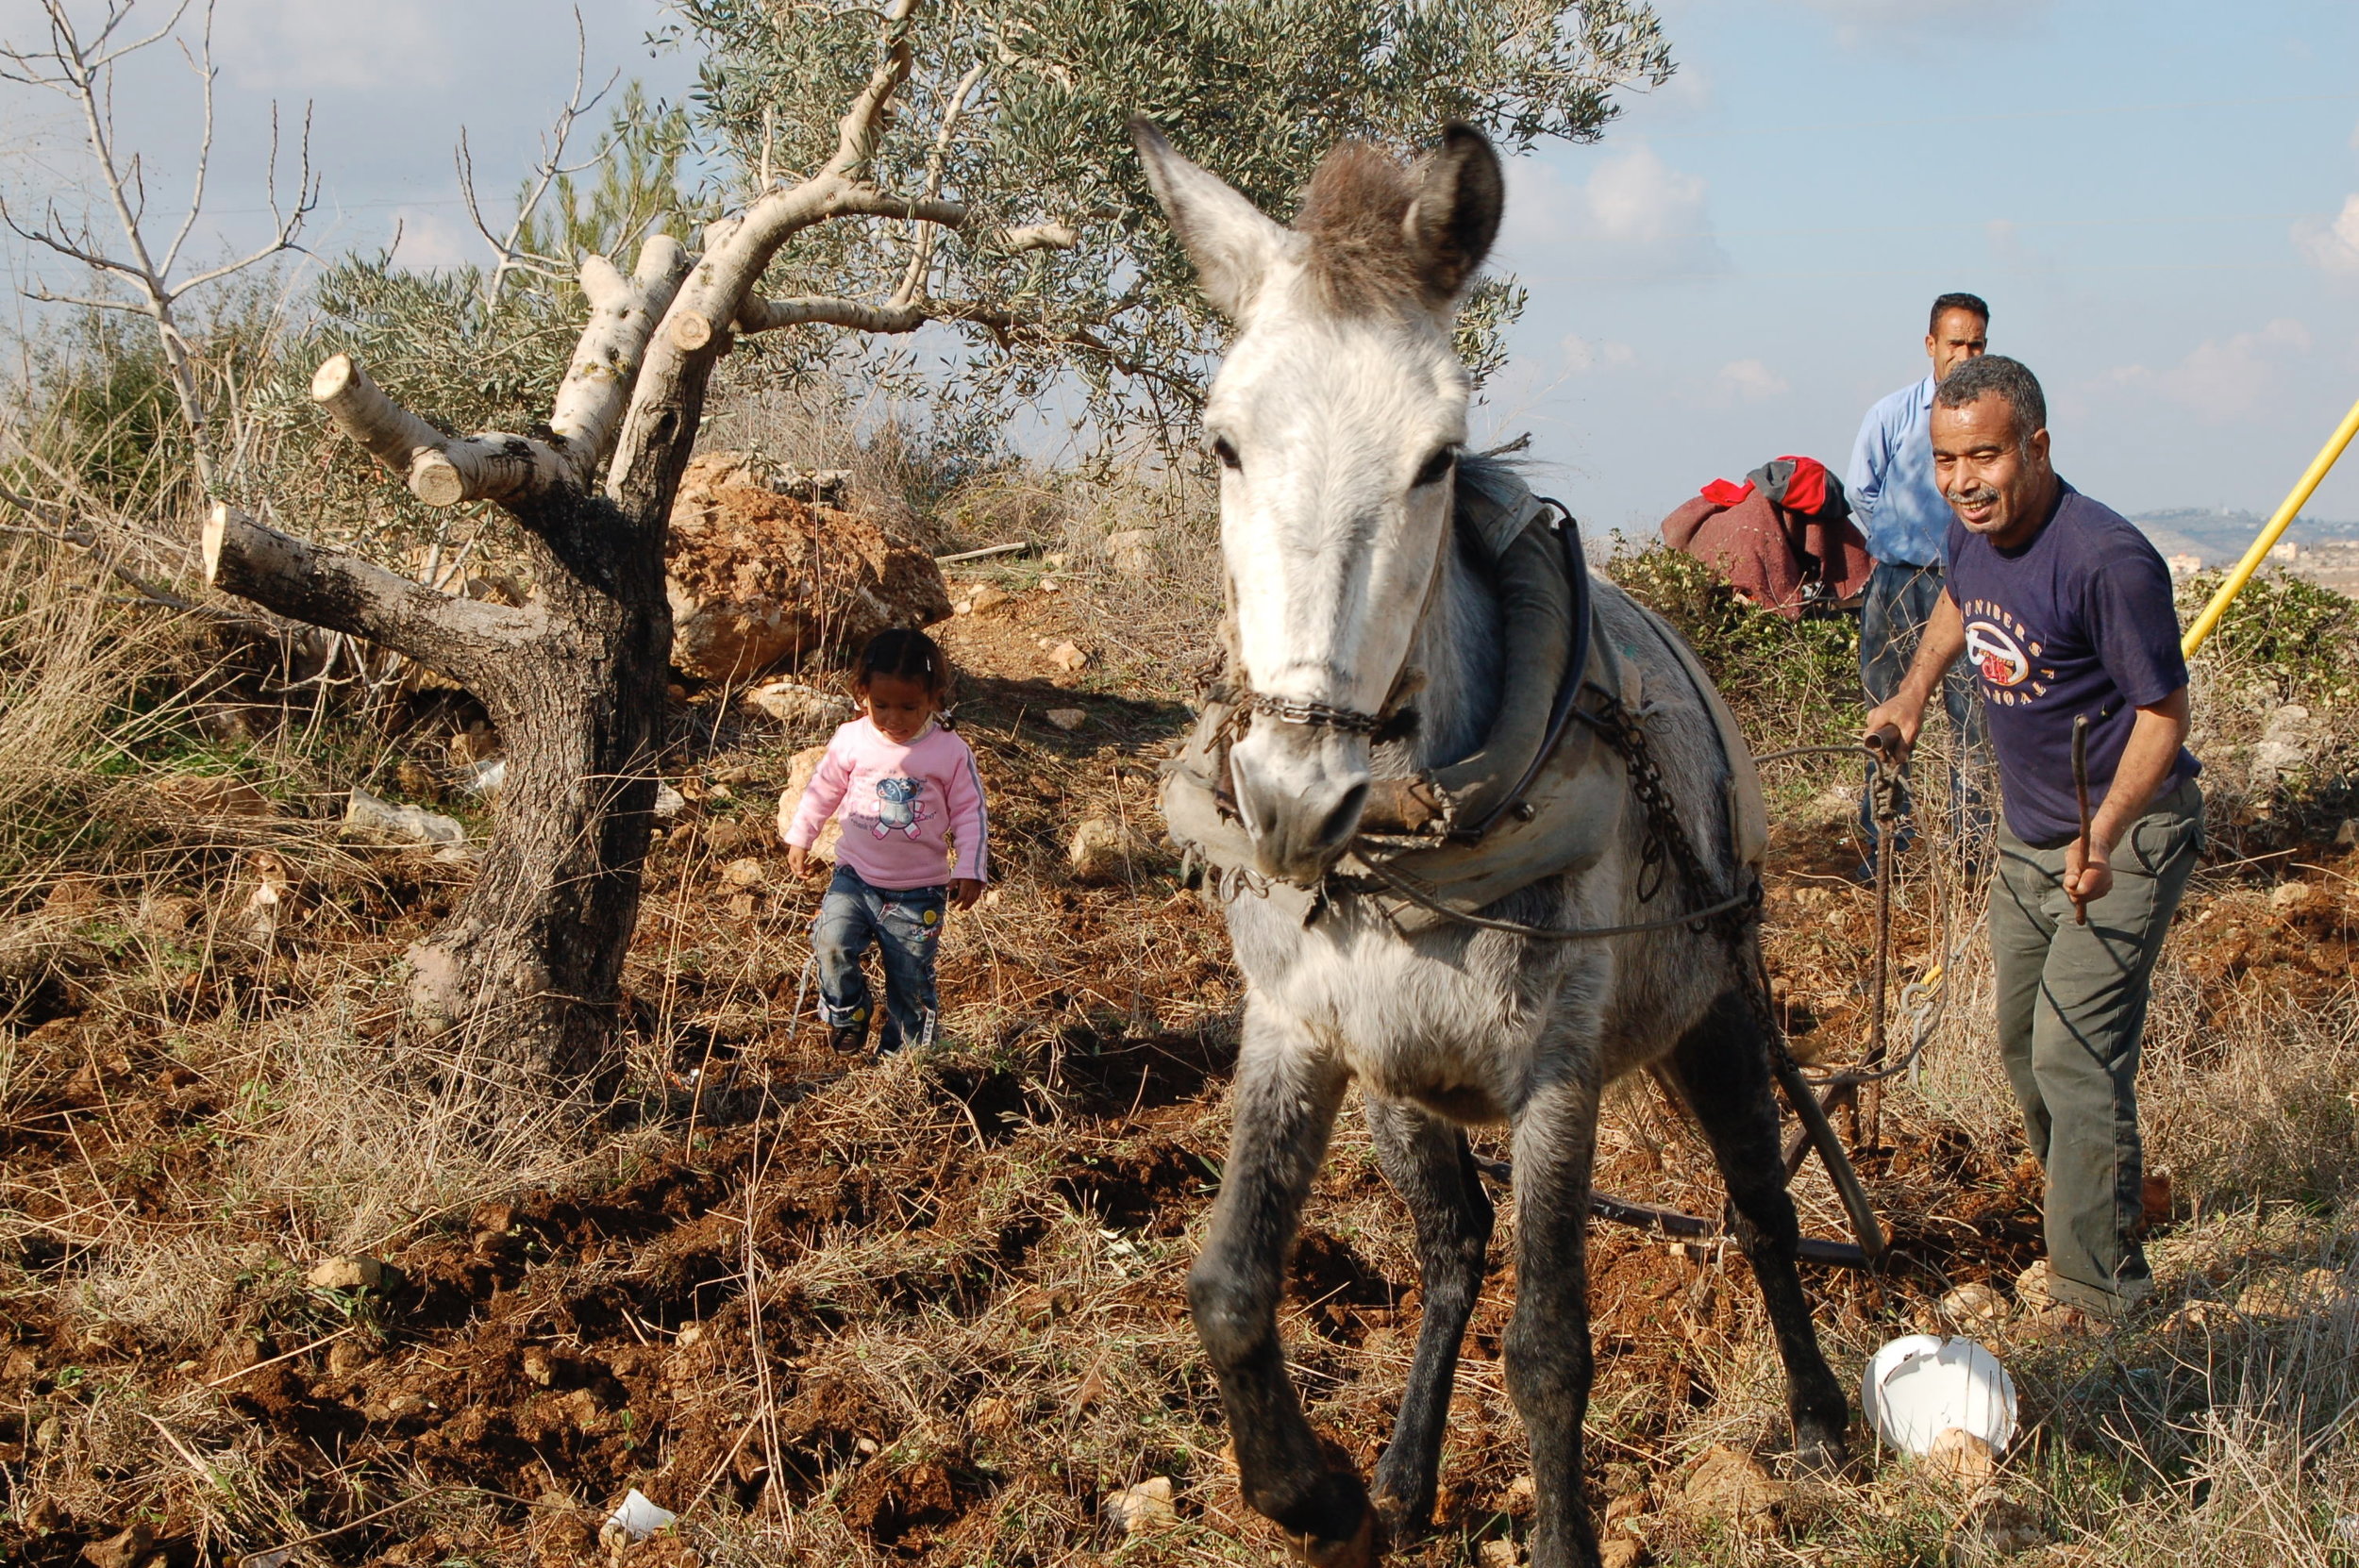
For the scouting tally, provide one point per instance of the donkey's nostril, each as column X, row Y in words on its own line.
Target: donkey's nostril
column 1339, row 822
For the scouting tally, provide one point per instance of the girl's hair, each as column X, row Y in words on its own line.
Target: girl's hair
column 905, row 653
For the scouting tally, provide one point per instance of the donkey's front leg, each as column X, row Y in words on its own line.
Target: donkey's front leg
column 1427, row 1162
column 1288, row 1087
column 1548, row 1360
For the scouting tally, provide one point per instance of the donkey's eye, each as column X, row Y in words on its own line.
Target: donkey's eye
column 1226, row 453
column 1436, row 468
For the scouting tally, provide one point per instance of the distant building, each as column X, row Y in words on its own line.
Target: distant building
column 2184, row 565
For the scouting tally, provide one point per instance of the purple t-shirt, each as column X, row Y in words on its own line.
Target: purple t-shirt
column 2078, row 621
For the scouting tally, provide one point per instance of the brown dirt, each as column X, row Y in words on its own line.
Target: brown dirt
column 923, row 1355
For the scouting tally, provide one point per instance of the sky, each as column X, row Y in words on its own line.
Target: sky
column 2160, row 199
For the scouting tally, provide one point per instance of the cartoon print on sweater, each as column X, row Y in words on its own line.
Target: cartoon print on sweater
column 898, row 808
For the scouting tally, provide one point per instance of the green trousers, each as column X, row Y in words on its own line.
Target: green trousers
column 2071, row 1020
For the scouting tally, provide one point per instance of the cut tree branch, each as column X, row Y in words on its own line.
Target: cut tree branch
column 443, row 471
column 469, row 640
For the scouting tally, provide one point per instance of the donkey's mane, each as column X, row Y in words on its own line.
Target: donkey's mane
column 1354, row 213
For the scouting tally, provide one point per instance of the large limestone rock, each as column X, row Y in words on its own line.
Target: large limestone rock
column 760, row 576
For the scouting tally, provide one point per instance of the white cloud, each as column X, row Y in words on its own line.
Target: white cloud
column 1750, row 381
column 1582, row 354
column 1634, row 218
column 2226, row 379
column 434, row 242
column 2331, row 246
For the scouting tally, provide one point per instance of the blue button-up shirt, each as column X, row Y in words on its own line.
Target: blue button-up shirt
column 1894, row 493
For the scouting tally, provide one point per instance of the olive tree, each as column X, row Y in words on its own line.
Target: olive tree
column 967, row 167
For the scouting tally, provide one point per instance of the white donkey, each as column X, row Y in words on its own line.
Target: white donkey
column 1365, row 645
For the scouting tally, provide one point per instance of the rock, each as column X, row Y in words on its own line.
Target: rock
column 985, row 599
column 2198, row 1317
column 2289, row 898
column 1068, row 658
column 1067, row 718
column 42, row 1516
column 346, row 1357
column 2287, row 743
column 799, row 706
column 669, row 802
column 2030, row 1289
column 1522, row 1496
column 1732, row 1488
column 371, row 817
column 2006, row 1526
column 1961, row 1460
column 744, row 873
column 346, row 1273
column 2348, row 834
column 1100, row 851
column 207, row 795
column 1621, row 1551
column 757, row 576
column 2284, row 1295
column 1133, row 552
column 1141, row 1508
column 798, row 775
column 1498, row 1552
column 126, row 1550
column 1973, row 1306
column 991, row 1415
column 538, row 1365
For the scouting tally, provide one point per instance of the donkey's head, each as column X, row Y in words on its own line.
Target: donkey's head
column 1337, row 417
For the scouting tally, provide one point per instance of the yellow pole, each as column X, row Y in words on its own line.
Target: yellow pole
column 2207, row 622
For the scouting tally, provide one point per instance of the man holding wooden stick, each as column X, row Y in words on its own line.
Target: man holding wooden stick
column 2064, row 609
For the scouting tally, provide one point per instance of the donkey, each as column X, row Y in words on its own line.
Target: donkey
column 1338, row 417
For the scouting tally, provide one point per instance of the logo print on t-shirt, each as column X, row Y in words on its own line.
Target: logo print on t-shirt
column 1998, row 657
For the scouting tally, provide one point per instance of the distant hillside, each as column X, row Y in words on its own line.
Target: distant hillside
column 2220, row 537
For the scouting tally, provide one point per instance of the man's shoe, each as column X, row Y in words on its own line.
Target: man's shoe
column 849, row 1040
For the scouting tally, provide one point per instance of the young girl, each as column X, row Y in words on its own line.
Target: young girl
column 909, row 790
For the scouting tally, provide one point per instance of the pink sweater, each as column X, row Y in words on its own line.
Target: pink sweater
column 903, row 806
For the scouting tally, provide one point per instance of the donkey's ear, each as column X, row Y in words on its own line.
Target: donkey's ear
column 1232, row 243
column 1455, row 214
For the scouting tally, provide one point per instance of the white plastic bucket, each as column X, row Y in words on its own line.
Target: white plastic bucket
column 1919, row 1386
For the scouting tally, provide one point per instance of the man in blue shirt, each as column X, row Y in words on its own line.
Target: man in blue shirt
column 1899, row 507
column 2063, row 611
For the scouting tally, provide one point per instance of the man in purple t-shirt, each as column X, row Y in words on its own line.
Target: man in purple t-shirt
column 2065, row 610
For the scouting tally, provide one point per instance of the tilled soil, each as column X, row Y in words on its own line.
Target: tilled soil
column 919, row 1311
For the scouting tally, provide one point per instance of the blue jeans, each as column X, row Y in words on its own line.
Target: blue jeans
column 906, row 926
column 1893, row 615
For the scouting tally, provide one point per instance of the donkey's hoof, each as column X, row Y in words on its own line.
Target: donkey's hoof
column 1357, row 1552
column 1397, row 1519
column 1818, row 1456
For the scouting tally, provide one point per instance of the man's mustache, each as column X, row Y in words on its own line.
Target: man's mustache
column 1975, row 498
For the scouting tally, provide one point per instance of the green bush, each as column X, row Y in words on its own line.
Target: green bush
column 2301, row 638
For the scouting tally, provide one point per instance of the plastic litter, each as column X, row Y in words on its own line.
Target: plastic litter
column 1919, row 1386
column 640, row 1518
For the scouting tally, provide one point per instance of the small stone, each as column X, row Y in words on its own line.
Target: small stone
column 1035, row 1307
column 1498, row 1552
column 986, row 599
column 2348, row 834
column 1133, row 552
column 1141, row 1508
column 1973, row 1306
column 798, row 706
column 126, row 1550
column 42, row 1516
column 538, row 1365
column 1735, row 1490
column 991, row 1415
column 747, row 872
column 1051, row 585
column 2030, row 1288
column 669, row 802
column 2292, row 898
column 346, row 1273
column 2296, row 1296
column 690, row 1333
column 1099, row 851
column 744, row 905
column 1068, row 658
column 2007, row 1526
column 346, row 1357
column 2198, row 1317
column 49, row 1434
column 1067, row 718
column 1522, row 1496
column 1621, row 1551
column 1961, row 1460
